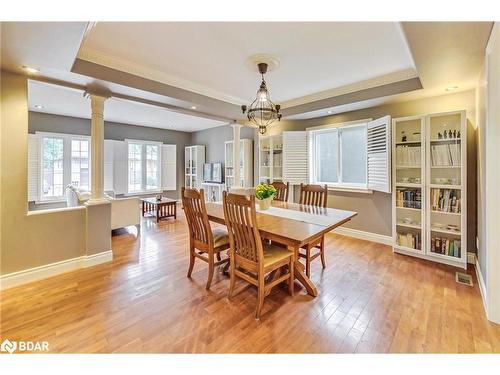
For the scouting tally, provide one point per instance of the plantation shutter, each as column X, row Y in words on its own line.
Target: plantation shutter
column 108, row 164
column 120, row 167
column 295, row 158
column 33, row 167
column 378, row 154
column 168, row 167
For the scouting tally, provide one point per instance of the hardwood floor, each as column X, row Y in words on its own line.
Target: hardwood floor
column 370, row 300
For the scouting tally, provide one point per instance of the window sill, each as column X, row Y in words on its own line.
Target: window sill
column 48, row 201
column 346, row 189
column 145, row 192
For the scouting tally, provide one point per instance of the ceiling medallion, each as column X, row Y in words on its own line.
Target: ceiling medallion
column 262, row 112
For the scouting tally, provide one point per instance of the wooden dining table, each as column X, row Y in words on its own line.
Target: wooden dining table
column 293, row 232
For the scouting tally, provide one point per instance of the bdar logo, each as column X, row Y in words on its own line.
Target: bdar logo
column 8, row 346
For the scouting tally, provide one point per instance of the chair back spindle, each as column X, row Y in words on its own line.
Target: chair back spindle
column 313, row 195
column 281, row 190
column 241, row 222
column 193, row 202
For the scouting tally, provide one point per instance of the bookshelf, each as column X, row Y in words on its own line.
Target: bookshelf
column 194, row 158
column 270, row 159
column 246, row 163
column 429, row 197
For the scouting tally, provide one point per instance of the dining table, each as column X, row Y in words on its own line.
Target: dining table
column 292, row 225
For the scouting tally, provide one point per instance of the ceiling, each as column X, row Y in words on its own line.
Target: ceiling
column 116, row 110
column 210, row 57
column 173, row 67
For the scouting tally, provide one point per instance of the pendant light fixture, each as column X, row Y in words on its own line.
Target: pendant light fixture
column 262, row 112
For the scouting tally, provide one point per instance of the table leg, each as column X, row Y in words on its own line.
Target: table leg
column 175, row 211
column 301, row 276
column 143, row 208
column 157, row 213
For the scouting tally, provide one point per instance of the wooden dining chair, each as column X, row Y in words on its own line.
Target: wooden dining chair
column 314, row 195
column 205, row 243
column 250, row 258
column 282, row 190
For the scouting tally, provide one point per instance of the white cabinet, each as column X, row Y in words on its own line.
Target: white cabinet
column 194, row 159
column 246, row 163
column 429, row 187
column 213, row 191
column 270, row 159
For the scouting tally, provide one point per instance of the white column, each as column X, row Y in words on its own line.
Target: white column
column 236, row 154
column 97, row 149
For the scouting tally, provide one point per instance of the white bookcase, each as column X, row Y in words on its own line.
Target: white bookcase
column 194, row 160
column 246, row 163
column 213, row 191
column 429, row 187
column 270, row 159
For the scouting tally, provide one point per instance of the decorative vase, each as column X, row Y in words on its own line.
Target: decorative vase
column 264, row 204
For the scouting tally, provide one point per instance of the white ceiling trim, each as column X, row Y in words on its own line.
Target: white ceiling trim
column 401, row 75
column 101, row 58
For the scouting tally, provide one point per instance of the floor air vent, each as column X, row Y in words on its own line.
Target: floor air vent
column 463, row 278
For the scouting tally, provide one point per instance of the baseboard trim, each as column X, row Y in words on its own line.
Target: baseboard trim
column 482, row 288
column 362, row 235
column 42, row 272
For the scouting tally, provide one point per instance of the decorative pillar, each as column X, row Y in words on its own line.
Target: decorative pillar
column 97, row 148
column 236, row 155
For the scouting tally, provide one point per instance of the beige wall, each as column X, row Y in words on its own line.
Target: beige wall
column 37, row 239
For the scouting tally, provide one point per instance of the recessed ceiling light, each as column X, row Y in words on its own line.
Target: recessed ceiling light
column 38, row 106
column 30, row 70
column 193, row 107
column 451, row 88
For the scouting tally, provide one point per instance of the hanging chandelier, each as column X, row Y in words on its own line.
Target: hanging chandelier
column 262, row 112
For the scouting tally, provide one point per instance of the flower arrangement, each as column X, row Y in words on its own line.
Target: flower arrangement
column 265, row 193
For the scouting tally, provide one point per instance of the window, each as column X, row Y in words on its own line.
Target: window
column 143, row 166
column 152, row 167
column 338, row 156
column 134, row 167
column 64, row 159
column 80, row 177
column 52, row 168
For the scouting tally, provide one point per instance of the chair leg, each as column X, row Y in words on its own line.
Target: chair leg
column 191, row 260
column 323, row 262
column 260, row 298
column 308, row 262
column 211, row 267
column 232, row 277
column 291, row 269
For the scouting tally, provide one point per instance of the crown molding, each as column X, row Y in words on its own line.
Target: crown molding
column 401, row 75
column 102, row 58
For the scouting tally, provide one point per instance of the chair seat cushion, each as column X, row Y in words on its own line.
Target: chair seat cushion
column 273, row 253
column 221, row 238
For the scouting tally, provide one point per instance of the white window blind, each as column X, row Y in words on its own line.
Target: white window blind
column 295, row 157
column 108, row 164
column 169, row 167
column 379, row 154
column 120, row 167
column 33, row 167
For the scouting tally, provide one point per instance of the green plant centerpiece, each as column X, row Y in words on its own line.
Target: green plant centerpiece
column 265, row 194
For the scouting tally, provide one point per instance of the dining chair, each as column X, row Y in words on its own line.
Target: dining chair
column 251, row 259
column 205, row 243
column 314, row 195
column 282, row 190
